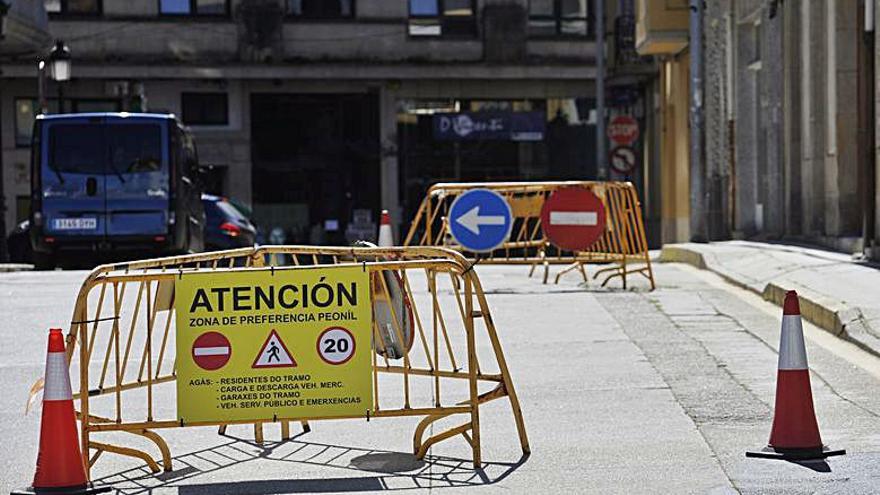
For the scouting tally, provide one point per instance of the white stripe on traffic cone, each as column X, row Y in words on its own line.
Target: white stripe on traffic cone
column 386, row 237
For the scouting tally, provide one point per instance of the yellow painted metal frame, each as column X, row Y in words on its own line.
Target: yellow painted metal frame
column 624, row 243
column 106, row 286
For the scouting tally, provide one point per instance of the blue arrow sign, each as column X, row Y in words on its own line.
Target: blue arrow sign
column 480, row 220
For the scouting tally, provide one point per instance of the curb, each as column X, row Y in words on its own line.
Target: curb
column 838, row 319
column 15, row 267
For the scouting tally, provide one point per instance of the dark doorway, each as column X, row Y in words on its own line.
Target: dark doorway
column 216, row 179
column 315, row 161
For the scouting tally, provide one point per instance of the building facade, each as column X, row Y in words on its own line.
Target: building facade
column 787, row 98
column 317, row 113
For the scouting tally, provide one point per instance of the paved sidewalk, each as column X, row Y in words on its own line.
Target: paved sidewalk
column 837, row 293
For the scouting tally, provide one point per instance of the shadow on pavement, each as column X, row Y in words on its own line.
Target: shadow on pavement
column 395, row 470
column 819, row 465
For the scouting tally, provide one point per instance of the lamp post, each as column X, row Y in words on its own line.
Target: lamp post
column 58, row 65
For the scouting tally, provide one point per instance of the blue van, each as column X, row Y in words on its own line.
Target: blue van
column 114, row 182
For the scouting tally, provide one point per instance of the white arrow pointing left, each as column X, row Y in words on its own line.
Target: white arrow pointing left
column 472, row 220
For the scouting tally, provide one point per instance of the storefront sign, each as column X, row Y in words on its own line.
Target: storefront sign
column 498, row 126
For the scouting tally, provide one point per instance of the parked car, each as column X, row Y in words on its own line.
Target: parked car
column 226, row 226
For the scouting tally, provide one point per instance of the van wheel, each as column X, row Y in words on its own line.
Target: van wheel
column 44, row 261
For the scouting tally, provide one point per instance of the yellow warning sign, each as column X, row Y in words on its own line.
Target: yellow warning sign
column 264, row 345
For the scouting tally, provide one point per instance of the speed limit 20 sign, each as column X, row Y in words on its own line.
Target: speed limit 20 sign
column 336, row 345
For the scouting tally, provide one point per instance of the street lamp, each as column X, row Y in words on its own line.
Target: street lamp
column 58, row 64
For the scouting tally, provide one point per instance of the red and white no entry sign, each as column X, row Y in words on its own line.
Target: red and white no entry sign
column 211, row 351
column 623, row 130
column 573, row 218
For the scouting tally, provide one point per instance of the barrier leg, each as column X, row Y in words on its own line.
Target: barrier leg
column 285, row 429
column 137, row 454
column 577, row 265
column 472, row 371
column 542, row 256
column 505, row 373
column 420, row 431
column 650, row 271
column 160, row 444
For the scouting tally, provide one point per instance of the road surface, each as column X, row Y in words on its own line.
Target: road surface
column 622, row 392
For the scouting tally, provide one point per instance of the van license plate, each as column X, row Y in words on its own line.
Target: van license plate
column 76, row 223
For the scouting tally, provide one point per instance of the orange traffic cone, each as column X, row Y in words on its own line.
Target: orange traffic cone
column 795, row 433
column 60, row 467
column 386, row 237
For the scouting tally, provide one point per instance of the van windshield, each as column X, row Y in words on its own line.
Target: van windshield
column 97, row 149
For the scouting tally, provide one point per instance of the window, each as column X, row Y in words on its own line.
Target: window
column 555, row 18
column 320, row 9
column 442, row 18
column 95, row 105
column 205, row 108
column 93, row 149
column 194, row 7
column 73, row 7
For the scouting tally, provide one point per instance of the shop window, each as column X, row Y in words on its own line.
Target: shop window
column 452, row 18
column 558, row 18
column 73, row 7
column 194, row 7
column 320, row 9
column 205, row 108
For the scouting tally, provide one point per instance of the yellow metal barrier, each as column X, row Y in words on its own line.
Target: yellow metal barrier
column 623, row 244
column 118, row 327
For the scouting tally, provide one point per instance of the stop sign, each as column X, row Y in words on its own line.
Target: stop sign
column 623, row 130
column 573, row 218
column 211, row 351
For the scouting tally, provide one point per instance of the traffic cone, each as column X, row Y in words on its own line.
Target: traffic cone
column 60, row 467
column 386, row 237
column 795, row 433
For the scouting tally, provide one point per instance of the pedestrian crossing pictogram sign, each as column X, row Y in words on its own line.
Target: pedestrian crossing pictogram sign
column 274, row 354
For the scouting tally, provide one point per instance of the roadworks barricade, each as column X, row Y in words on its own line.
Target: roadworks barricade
column 447, row 360
column 623, row 244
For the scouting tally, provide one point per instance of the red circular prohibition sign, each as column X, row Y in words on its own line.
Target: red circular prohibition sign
column 211, row 351
column 573, row 218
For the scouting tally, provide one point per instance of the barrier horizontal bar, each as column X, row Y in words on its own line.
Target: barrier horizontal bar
column 371, row 266
column 389, row 413
column 382, row 369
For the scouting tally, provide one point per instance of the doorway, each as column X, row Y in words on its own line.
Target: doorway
column 315, row 164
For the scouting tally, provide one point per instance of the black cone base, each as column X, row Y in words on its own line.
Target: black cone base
column 76, row 490
column 769, row 452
